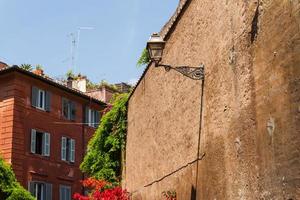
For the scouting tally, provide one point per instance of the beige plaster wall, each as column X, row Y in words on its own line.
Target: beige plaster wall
column 251, row 115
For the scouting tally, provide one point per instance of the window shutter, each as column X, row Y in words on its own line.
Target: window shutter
column 92, row 120
column 61, row 195
column 34, row 96
column 46, row 144
column 47, row 101
column 97, row 119
column 68, row 193
column 31, row 187
column 86, row 115
column 65, row 109
column 33, row 141
column 73, row 110
column 72, row 150
column 63, row 148
column 48, row 192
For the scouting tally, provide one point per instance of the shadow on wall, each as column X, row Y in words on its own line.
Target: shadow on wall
column 193, row 193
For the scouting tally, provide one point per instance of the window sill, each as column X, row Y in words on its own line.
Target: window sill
column 40, row 156
column 67, row 119
column 40, row 109
column 38, row 173
column 90, row 126
column 67, row 162
column 66, row 178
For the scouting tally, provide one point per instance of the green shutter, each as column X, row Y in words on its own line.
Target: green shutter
column 86, row 115
column 46, row 144
column 34, row 96
column 48, row 192
column 33, row 141
column 63, row 148
column 73, row 110
column 72, row 150
column 64, row 107
column 68, row 193
column 97, row 119
column 31, row 187
column 47, row 101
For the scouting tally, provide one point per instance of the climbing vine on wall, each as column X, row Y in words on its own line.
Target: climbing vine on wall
column 104, row 155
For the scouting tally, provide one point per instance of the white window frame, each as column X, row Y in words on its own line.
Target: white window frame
column 91, row 121
column 46, row 189
column 46, row 146
column 68, row 156
column 43, row 94
column 36, row 185
column 69, row 106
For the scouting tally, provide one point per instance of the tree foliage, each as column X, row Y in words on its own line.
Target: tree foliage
column 39, row 67
column 104, row 155
column 70, row 74
column 10, row 189
column 144, row 59
column 91, row 86
column 27, row 67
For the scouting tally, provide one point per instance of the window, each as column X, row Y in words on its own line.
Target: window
column 64, row 192
column 67, row 149
column 40, row 143
column 40, row 99
column 41, row 190
column 92, row 117
column 68, row 109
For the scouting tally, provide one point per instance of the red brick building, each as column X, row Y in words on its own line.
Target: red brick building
column 44, row 129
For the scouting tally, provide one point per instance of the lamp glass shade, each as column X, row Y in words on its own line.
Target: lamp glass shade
column 155, row 47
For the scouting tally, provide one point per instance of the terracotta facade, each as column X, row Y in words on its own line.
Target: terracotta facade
column 17, row 119
column 250, row 125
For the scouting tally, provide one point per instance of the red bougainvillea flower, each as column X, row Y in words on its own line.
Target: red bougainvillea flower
column 92, row 183
column 77, row 196
column 98, row 191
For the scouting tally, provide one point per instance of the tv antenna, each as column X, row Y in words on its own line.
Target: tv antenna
column 75, row 39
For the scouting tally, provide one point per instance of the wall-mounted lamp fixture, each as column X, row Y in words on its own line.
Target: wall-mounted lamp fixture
column 155, row 47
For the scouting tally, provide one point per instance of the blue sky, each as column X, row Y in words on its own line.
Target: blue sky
column 36, row 32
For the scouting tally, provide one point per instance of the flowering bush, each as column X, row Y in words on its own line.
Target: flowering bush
column 101, row 190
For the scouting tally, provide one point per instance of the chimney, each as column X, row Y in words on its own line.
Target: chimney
column 78, row 83
column 3, row 65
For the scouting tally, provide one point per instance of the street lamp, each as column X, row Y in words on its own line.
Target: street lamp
column 155, row 47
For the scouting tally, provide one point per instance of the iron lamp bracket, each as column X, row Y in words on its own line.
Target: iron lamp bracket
column 195, row 73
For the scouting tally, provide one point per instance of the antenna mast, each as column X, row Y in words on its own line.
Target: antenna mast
column 75, row 45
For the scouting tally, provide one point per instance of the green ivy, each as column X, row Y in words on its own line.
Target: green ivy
column 104, row 156
column 10, row 189
column 144, row 59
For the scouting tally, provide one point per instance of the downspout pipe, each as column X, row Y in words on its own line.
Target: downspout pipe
column 199, row 134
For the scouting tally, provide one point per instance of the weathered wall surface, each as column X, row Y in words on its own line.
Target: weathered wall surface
column 251, row 114
column 6, row 117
